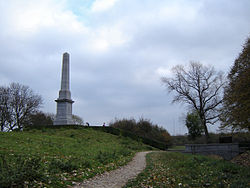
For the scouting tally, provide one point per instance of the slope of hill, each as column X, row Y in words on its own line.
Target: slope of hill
column 57, row 157
column 174, row 169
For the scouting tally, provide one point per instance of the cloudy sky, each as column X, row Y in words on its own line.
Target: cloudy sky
column 119, row 50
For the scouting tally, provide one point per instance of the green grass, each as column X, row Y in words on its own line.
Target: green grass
column 169, row 169
column 58, row 157
column 177, row 148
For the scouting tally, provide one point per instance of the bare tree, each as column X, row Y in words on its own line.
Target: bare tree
column 18, row 102
column 4, row 107
column 77, row 120
column 200, row 87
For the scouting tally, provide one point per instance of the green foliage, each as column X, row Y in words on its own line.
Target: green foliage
column 54, row 157
column 104, row 157
column 16, row 170
column 236, row 106
column 194, row 125
column 143, row 128
column 125, row 124
column 40, row 119
column 58, row 165
column 108, row 157
column 183, row 170
column 124, row 133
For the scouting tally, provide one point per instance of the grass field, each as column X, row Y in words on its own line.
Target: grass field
column 177, row 148
column 169, row 169
column 58, row 157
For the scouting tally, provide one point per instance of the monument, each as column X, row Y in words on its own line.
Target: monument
column 64, row 102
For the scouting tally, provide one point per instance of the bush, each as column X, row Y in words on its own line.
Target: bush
column 194, row 125
column 134, row 136
column 143, row 128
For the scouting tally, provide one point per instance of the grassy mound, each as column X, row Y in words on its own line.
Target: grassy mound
column 169, row 169
column 57, row 157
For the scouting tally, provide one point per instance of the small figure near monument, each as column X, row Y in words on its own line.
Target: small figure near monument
column 103, row 124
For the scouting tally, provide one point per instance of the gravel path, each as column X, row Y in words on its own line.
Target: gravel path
column 119, row 177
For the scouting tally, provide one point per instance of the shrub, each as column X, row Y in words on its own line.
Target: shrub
column 125, row 124
column 194, row 125
column 143, row 128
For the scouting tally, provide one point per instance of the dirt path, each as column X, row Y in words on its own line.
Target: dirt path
column 119, row 177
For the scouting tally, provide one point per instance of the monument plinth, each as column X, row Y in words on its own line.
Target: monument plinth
column 64, row 102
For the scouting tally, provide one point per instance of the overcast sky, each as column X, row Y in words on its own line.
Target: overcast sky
column 119, row 50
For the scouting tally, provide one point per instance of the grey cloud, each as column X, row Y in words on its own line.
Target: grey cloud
column 122, row 81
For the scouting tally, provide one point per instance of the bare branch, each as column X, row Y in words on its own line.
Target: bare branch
column 199, row 86
column 20, row 102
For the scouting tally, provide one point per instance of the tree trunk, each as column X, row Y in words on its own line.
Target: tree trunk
column 203, row 121
column 206, row 131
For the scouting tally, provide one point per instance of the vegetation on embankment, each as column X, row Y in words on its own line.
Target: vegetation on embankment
column 169, row 169
column 134, row 136
column 144, row 128
column 56, row 157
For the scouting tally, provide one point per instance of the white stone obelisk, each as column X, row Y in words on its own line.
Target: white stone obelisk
column 64, row 102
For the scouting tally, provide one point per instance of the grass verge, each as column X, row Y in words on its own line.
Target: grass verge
column 177, row 148
column 59, row 157
column 169, row 169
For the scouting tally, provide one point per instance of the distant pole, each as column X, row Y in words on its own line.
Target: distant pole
column 64, row 102
column 174, row 126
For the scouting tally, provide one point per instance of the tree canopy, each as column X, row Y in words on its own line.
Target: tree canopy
column 194, row 125
column 236, row 102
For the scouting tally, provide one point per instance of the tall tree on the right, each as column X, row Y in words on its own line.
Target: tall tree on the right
column 236, row 103
column 201, row 88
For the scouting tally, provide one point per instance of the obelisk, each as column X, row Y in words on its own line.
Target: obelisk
column 64, row 102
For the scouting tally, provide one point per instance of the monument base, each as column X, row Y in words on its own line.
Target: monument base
column 64, row 112
column 63, row 122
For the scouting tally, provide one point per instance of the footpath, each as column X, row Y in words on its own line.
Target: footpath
column 119, row 177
